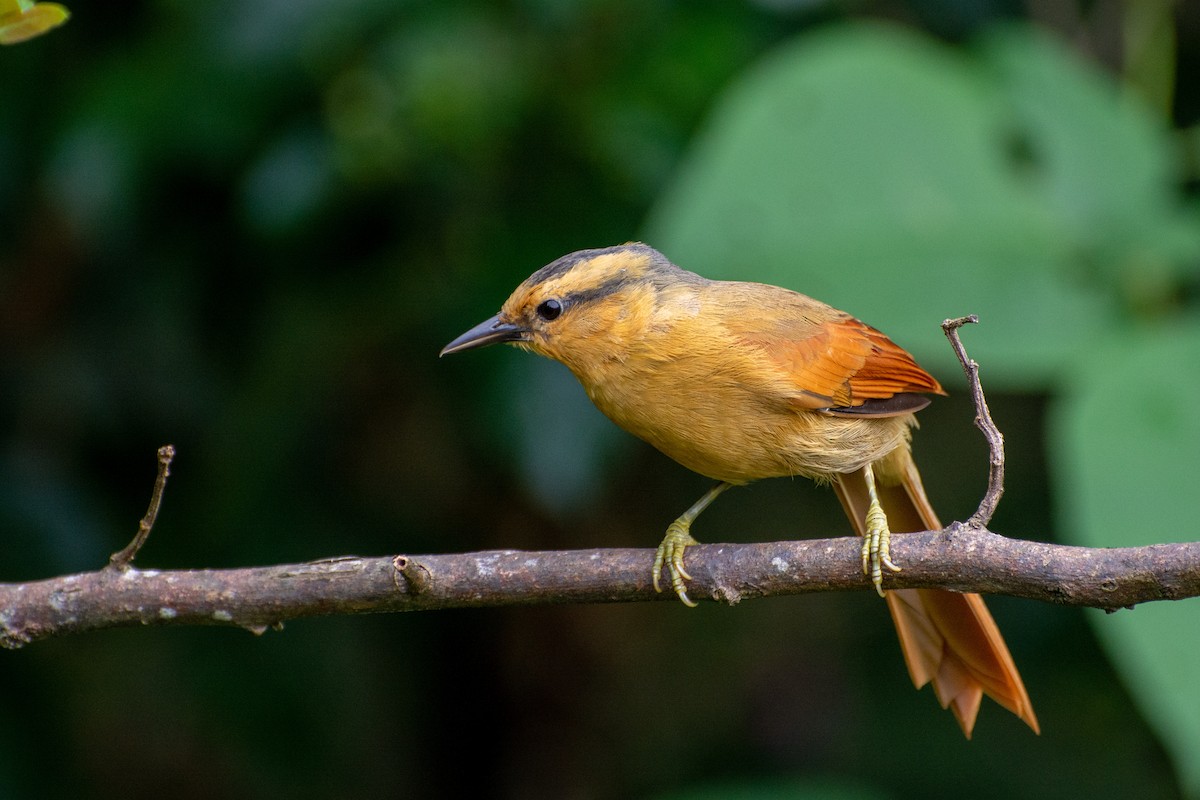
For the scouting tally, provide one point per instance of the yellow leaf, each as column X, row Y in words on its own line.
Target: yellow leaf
column 18, row 24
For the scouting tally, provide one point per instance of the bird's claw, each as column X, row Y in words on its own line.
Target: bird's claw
column 670, row 555
column 876, row 547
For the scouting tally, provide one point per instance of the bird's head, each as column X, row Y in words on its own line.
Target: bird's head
column 578, row 305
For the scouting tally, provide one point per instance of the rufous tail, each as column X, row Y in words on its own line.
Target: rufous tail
column 948, row 638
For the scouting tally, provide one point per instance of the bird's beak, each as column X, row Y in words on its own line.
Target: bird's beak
column 489, row 331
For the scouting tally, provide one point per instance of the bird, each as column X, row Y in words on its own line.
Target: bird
column 741, row 381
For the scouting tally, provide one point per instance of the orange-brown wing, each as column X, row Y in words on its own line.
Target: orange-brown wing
column 833, row 360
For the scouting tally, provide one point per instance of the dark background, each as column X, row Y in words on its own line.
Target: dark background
column 247, row 229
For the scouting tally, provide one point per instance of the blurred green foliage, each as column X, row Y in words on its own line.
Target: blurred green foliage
column 1014, row 181
column 1010, row 179
column 247, row 229
column 1127, row 480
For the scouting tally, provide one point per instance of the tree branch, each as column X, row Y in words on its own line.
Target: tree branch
column 257, row 598
column 963, row 557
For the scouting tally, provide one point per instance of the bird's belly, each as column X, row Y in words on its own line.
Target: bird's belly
column 734, row 436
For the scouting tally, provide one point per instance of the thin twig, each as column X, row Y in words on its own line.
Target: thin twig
column 121, row 559
column 983, row 421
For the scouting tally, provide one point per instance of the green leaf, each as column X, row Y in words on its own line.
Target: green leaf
column 1100, row 157
column 906, row 182
column 1128, row 442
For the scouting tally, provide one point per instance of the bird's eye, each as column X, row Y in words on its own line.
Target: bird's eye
column 549, row 309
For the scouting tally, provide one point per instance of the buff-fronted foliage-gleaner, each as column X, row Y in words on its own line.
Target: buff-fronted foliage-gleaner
column 741, row 381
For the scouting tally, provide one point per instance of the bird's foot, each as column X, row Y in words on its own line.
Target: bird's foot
column 876, row 547
column 670, row 554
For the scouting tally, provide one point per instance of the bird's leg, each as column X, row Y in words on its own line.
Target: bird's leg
column 678, row 539
column 876, row 547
